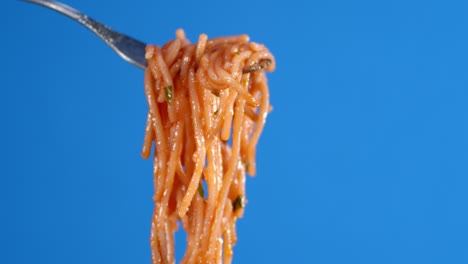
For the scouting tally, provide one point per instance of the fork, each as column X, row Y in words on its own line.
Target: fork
column 130, row 49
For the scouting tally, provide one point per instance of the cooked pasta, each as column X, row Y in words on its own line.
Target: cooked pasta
column 208, row 103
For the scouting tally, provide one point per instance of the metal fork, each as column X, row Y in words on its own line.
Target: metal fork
column 130, row 49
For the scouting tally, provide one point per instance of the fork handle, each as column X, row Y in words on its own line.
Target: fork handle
column 130, row 49
column 103, row 31
column 70, row 12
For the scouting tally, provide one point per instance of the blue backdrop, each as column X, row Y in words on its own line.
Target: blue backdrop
column 364, row 159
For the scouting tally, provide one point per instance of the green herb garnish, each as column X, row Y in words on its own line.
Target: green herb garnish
column 168, row 90
column 201, row 192
column 246, row 164
column 238, row 203
column 262, row 64
column 245, row 82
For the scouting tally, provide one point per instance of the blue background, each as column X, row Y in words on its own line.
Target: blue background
column 364, row 158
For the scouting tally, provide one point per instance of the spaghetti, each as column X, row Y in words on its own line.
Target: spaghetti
column 208, row 104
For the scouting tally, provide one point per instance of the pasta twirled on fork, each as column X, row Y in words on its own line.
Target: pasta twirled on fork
column 206, row 114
